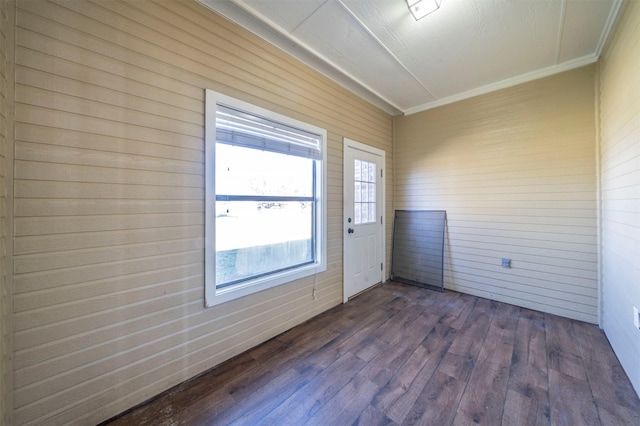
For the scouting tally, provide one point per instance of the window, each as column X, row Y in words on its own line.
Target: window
column 265, row 191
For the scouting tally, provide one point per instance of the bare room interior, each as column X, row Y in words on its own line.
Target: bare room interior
column 200, row 206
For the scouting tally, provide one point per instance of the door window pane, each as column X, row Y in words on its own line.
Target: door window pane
column 364, row 192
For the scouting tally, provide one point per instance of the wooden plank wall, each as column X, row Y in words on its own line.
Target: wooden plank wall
column 620, row 161
column 515, row 170
column 5, row 309
column 109, row 213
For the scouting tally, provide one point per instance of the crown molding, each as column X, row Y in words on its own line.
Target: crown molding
column 613, row 17
column 509, row 82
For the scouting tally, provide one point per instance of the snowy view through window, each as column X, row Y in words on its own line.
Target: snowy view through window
column 264, row 212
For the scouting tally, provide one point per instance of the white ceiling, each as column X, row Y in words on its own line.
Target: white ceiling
column 378, row 50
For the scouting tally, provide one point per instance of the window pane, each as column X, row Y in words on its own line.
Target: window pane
column 254, row 238
column 364, row 192
column 246, row 171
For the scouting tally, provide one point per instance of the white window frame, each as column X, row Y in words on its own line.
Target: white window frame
column 213, row 295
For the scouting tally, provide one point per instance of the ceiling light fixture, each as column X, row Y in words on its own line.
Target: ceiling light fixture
column 421, row 8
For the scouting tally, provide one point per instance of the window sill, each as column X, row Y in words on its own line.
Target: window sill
column 247, row 288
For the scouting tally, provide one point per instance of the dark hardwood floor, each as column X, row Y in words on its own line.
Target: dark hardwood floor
column 399, row 354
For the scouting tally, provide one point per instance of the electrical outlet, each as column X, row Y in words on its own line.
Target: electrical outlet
column 506, row 263
column 636, row 317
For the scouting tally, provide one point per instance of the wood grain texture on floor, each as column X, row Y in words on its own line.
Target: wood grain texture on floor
column 399, row 354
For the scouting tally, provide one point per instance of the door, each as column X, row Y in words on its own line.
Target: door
column 363, row 207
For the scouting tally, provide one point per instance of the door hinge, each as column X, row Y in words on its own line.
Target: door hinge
column 380, row 220
column 380, row 172
column 381, row 267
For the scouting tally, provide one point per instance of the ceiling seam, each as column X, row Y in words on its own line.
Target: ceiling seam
column 395, row 58
column 309, row 16
column 563, row 10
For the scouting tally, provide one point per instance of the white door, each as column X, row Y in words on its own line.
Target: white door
column 363, row 217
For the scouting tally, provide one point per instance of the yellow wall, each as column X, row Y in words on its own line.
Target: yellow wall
column 109, row 212
column 4, row 307
column 619, row 112
column 515, row 170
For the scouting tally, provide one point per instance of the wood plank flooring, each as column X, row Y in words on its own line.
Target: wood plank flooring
column 399, row 354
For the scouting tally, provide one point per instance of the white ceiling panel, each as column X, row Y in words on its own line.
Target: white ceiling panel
column 578, row 37
column 287, row 14
column 352, row 48
column 467, row 36
column 467, row 47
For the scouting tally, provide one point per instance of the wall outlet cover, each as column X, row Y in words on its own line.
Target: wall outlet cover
column 506, row 263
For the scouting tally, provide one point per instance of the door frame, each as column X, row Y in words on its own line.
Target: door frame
column 351, row 144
